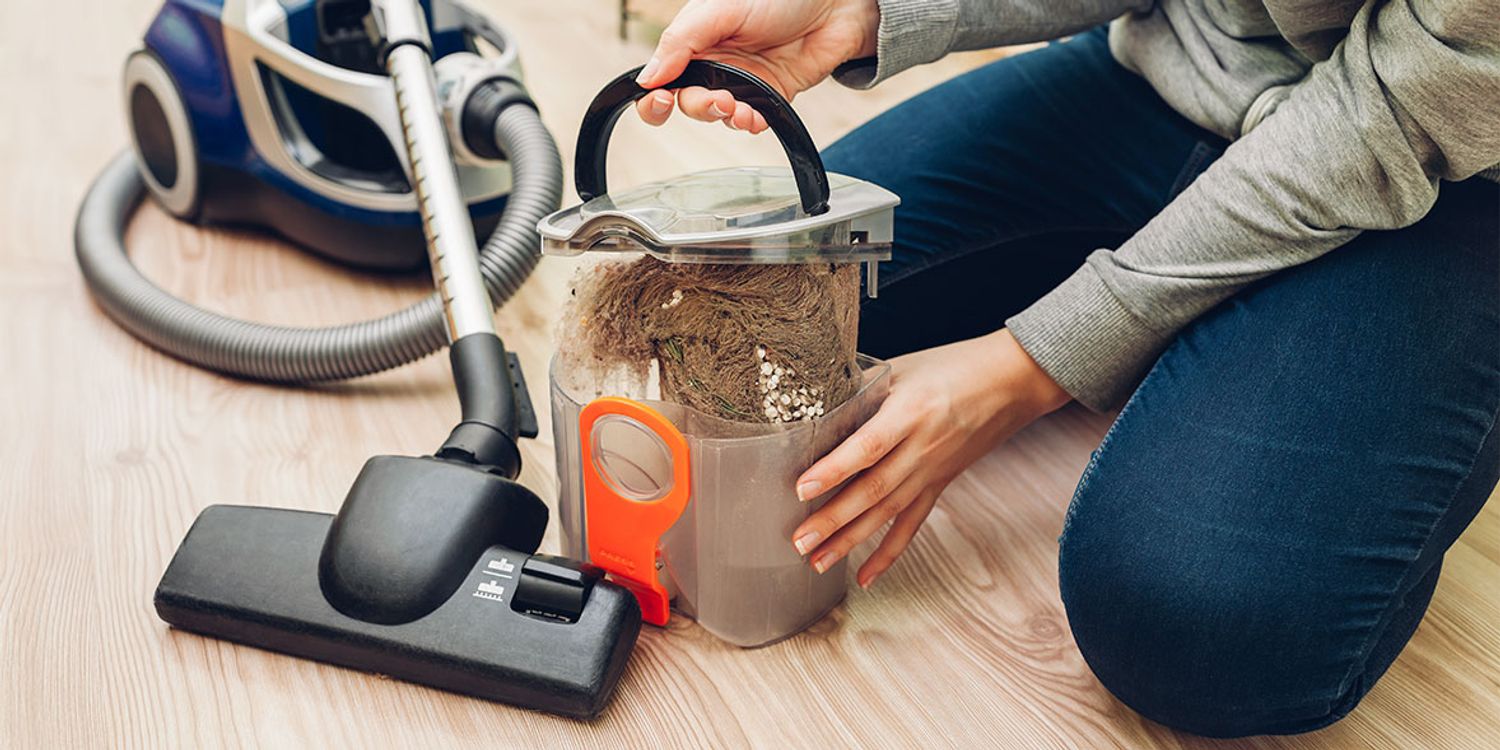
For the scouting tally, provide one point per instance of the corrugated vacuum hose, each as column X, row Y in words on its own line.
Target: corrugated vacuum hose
column 294, row 354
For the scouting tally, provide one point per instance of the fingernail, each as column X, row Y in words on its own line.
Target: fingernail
column 660, row 103
column 715, row 112
column 806, row 542
column 824, row 562
column 647, row 72
column 808, row 490
column 868, row 582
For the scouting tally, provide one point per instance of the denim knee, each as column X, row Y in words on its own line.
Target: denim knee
column 1191, row 637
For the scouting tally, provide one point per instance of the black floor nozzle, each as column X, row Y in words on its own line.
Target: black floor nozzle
column 531, row 630
column 410, row 529
column 426, row 573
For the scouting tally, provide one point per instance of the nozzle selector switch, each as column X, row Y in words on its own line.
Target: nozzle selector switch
column 554, row 588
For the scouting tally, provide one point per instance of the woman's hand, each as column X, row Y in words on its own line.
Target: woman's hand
column 790, row 44
column 947, row 407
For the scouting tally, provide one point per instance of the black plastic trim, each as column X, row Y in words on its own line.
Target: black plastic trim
column 487, row 398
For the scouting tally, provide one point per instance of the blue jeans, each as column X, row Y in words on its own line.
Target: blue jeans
column 1261, row 530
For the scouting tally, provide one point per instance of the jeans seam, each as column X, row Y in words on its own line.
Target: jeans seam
column 1377, row 630
column 1089, row 470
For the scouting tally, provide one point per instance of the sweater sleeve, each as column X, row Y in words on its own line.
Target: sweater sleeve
column 1409, row 98
column 913, row 32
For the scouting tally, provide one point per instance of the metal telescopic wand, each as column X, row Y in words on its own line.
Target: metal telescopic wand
column 451, row 247
column 487, row 433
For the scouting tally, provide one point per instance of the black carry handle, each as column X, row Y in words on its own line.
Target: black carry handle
column 604, row 111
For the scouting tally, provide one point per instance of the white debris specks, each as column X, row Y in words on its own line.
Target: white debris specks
column 674, row 301
column 783, row 399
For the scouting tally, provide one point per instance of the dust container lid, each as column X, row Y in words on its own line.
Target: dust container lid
column 734, row 215
column 795, row 214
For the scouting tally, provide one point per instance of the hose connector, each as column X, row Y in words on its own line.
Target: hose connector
column 487, row 397
column 482, row 108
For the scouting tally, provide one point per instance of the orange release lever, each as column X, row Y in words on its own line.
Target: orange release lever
column 623, row 533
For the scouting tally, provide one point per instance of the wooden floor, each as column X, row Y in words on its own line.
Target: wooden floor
column 110, row 450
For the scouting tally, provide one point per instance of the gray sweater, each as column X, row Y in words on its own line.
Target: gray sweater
column 1345, row 114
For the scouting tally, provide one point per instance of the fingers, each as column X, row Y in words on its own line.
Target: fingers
column 898, row 537
column 697, row 28
column 882, row 484
column 862, row 527
column 746, row 118
column 870, row 443
column 655, row 107
column 702, row 104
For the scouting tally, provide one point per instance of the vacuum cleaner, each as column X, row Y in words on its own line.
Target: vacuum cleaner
column 328, row 122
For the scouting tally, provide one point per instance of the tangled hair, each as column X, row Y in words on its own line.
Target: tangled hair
column 748, row 343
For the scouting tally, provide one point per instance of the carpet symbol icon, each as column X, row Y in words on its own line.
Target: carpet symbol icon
column 490, row 590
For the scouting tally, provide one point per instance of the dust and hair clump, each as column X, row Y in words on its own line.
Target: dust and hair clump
column 749, row 343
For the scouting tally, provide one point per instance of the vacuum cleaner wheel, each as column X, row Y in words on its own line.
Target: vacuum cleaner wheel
column 161, row 134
